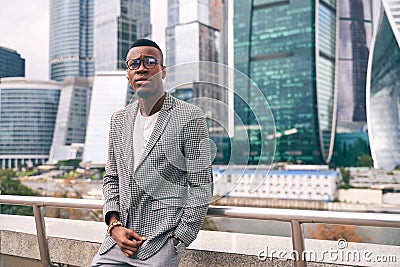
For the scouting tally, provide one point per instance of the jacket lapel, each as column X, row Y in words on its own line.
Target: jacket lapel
column 159, row 127
column 127, row 136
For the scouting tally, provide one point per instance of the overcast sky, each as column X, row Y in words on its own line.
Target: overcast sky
column 24, row 27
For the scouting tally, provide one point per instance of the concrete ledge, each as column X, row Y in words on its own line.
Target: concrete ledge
column 8, row 261
column 74, row 243
column 71, row 242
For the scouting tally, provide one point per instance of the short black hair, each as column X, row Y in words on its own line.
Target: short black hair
column 145, row 42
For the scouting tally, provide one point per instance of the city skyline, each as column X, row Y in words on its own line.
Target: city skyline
column 26, row 30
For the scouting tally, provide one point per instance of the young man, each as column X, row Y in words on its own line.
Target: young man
column 158, row 179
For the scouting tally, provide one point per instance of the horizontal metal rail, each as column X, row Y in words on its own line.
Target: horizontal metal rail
column 308, row 216
column 295, row 217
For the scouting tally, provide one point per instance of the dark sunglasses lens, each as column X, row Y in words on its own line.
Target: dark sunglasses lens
column 149, row 62
column 133, row 64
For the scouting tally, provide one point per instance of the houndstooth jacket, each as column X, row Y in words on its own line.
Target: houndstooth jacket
column 170, row 190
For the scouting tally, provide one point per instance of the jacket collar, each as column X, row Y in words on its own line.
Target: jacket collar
column 129, row 121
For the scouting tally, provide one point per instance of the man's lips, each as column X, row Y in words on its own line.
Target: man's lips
column 141, row 81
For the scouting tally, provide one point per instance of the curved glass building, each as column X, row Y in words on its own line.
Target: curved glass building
column 28, row 111
column 288, row 48
column 71, row 38
column 383, row 88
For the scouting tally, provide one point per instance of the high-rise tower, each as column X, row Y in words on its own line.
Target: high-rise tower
column 117, row 25
column 288, row 48
column 383, row 88
column 195, row 25
column 71, row 38
column 11, row 63
column 355, row 30
column 72, row 115
column 193, row 50
column 355, row 33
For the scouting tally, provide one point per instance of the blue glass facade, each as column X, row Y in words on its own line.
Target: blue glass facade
column 383, row 91
column 71, row 38
column 28, row 115
column 288, row 48
column 117, row 26
column 11, row 63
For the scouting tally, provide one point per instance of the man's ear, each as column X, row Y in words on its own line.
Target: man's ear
column 164, row 72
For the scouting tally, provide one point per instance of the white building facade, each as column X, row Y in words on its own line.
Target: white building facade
column 280, row 184
column 110, row 93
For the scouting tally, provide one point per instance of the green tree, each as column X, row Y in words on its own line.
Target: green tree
column 345, row 175
column 365, row 161
column 11, row 185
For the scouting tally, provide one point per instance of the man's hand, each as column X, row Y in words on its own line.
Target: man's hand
column 128, row 240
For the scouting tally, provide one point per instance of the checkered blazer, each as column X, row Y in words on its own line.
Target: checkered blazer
column 170, row 190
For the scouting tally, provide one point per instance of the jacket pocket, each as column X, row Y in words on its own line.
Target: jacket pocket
column 167, row 203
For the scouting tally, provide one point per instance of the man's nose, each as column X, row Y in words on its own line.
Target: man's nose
column 141, row 68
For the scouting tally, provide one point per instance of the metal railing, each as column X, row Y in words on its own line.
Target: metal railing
column 295, row 217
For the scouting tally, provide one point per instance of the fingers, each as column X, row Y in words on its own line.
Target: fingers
column 134, row 235
column 129, row 247
column 128, row 240
column 127, row 252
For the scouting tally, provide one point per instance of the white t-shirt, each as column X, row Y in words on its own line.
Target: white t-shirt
column 141, row 134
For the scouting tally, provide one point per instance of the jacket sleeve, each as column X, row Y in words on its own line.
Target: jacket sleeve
column 199, row 177
column 110, row 178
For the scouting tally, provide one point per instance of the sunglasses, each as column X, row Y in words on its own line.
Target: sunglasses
column 148, row 63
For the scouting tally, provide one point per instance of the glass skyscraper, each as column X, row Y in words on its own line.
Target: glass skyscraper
column 193, row 30
column 117, row 25
column 11, row 63
column 355, row 33
column 193, row 36
column 28, row 115
column 71, row 38
column 288, row 48
column 72, row 115
column 383, row 88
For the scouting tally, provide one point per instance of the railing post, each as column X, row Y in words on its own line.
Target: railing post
column 298, row 243
column 41, row 236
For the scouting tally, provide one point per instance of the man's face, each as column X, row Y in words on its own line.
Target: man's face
column 145, row 70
